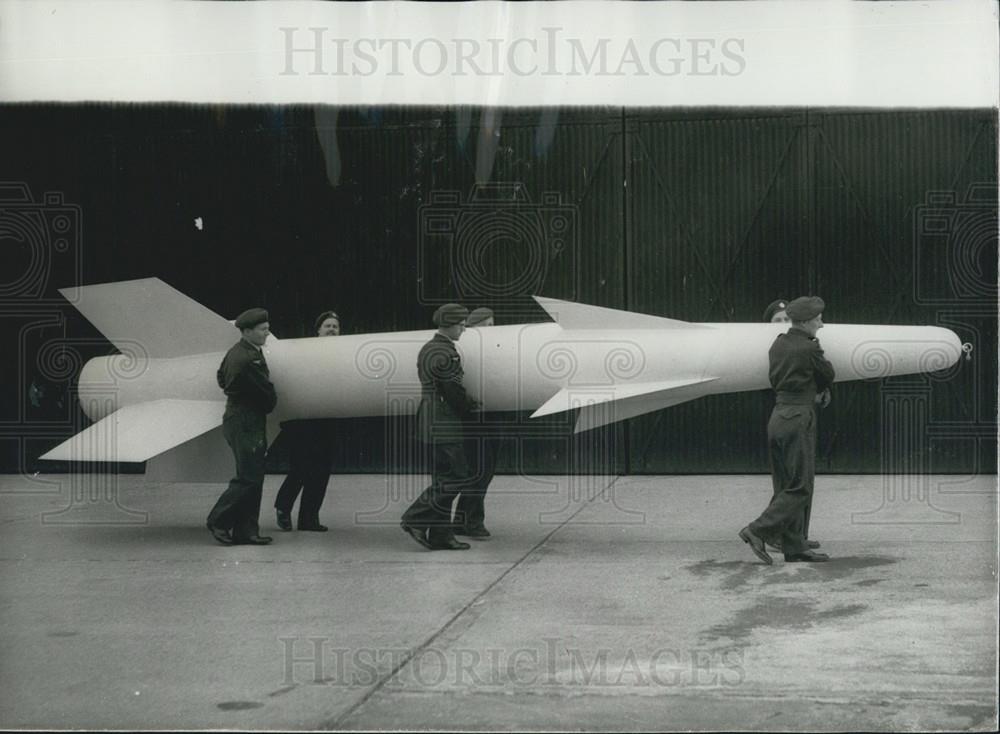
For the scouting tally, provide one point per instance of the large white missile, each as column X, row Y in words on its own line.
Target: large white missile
column 159, row 398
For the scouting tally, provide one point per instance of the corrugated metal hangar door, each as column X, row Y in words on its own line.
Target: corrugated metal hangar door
column 702, row 215
column 728, row 211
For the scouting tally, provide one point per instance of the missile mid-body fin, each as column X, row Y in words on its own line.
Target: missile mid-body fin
column 607, row 404
column 579, row 316
column 600, row 406
column 570, row 398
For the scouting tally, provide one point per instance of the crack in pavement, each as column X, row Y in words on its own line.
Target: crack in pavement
column 453, row 622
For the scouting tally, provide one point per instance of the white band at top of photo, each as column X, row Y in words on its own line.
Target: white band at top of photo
column 767, row 53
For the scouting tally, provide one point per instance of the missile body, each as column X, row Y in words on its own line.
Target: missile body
column 159, row 397
column 536, row 367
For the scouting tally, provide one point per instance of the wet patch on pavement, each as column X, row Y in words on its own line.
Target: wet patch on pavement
column 979, row 717
column 839, row 612
column 776, row 612
column 836, row 569
column 239, row 705
column 738, row 574
column 869, row 582
column 856, row 563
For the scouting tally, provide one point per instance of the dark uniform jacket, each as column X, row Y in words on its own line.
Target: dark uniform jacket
column 444, row 404
column 798, row 368
column 244, row 377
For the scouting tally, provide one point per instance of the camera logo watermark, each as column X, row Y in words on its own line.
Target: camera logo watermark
column 955, row 272
column 496, row 245
column 955, row 248
column 41, row 239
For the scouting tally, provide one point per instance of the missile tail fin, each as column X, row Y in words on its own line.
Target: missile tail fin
column 574, row 316
column 137, row 433
column 205, row 458
column 150, row 315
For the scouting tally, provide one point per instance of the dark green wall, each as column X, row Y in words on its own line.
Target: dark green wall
column 702, row 215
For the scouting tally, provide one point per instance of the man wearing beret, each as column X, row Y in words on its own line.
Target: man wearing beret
column 444, row 405
column 250, row 396
column 481, row 450
column 776, row 313
column 798, row 371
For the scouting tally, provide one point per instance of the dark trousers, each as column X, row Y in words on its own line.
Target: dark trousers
column 310, row 453
column 481, row 452
column 791, row 437
column 807, row 510
column 238, row 509
column 450, row 475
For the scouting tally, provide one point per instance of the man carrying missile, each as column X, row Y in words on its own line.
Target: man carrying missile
column 481, row 451
column 250, row 396
column 776, row 313
column 444, row 405
column 310, row 453
column 798, row 371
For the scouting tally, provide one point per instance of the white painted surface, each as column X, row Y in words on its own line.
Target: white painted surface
column 139, row 432
column 590, row 361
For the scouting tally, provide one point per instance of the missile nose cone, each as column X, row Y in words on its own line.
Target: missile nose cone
column 884, row 351
column 942, row 351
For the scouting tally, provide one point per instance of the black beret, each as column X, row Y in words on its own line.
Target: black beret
column 450, row 314
column 479, row 315
column 805, row 308
column 780, row 305
column 323, row 317
column 251, row 317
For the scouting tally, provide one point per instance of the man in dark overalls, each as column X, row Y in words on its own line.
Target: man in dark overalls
column 310, row 454
column 482, row 447
column 444, row 405
column 776, row 313
column 250, row 396
column 798, row 371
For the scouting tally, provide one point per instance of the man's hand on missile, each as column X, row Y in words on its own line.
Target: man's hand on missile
column 823, row 399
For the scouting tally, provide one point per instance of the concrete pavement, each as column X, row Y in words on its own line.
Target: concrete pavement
column 600, row 603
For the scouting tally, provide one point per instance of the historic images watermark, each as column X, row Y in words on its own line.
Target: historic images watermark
column 320, row 51
column 319, row 660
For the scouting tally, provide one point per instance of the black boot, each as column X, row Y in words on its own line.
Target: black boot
column 284, row 519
